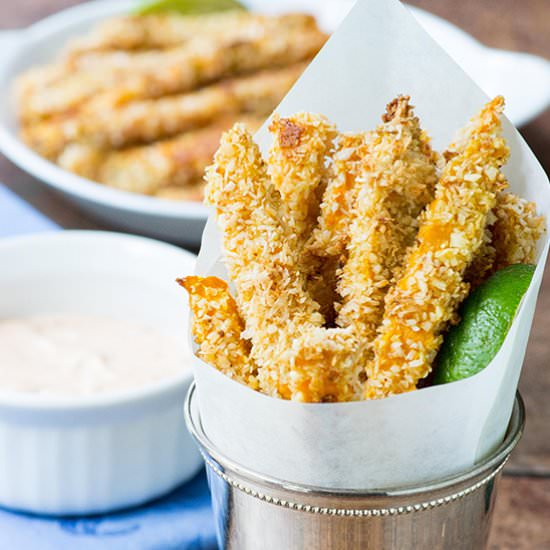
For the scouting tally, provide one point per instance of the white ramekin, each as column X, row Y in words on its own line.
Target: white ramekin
column 95, row 454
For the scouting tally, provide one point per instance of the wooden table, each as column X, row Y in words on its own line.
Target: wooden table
column 523, row 507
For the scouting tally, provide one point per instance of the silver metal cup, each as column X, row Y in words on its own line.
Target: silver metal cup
column 255, row 512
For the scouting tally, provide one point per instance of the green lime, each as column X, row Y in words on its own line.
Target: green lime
column 188, row 7
column 487, row 315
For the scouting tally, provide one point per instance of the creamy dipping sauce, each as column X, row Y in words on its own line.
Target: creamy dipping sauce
column 75, row 355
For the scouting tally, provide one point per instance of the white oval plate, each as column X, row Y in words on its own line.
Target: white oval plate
column 522, row 78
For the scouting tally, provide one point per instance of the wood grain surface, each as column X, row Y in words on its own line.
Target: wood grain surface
column 523, row 506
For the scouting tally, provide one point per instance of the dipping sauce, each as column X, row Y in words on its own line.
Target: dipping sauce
column 69, row 355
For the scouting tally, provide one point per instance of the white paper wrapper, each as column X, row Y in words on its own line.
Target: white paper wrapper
column 378, row 53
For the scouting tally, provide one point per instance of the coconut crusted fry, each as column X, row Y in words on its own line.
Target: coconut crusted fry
column 331, row 235
column 112, row 122
column 398, row 176
column 297, row 167
column 325, row 250
column 107, row 123
column 297, row 159
column 484, row 259
column 176, row 162
column 510, row 238
column 431, row 286
column 148, row 169
column 516, row 230
column 217, row 328
column 155, row 74
column 193, row 191
column 159, row 31
column 260, row 262
column 324, row 361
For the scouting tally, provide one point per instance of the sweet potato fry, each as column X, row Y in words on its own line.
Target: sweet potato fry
column 297, row 162
column 162, row 31
column 431, row 286
column 106, row 122
column 149, row 169
column 331, row 235
column 260, row 262
column 154, row 74
column 398, row 176
column 516, row 230
column 217, row 328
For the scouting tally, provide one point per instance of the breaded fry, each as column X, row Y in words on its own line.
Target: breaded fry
column 217, row 328
column 325, row 251
column 516, row 230
column 484, row 259
column 324, row 362
column 260, row 262
column 159, row 31
column 511, row 237
column 149, row 75
column 82, row 159
column 297, row 162
column 398, row 175
column 431, row 286
column 330, row 236
column 49, row 138
column 297, row 168
column 36, row 78
column 148, row 169
column 105, row 123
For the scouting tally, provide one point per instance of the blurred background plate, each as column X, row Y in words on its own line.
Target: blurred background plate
column 523, row 79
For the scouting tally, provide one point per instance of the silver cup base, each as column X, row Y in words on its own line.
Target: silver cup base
column 255, row 512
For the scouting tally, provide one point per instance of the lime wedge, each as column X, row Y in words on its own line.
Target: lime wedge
column 188, row 7
column 487, row 315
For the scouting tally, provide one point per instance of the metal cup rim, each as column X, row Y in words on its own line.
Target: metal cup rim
column 494, row 461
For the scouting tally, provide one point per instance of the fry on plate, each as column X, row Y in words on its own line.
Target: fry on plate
column 126, row 102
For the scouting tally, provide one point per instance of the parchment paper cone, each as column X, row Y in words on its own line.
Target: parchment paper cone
column 378, row 52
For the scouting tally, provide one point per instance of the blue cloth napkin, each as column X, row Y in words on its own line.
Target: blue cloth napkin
column 180, row 521
column 17, row 217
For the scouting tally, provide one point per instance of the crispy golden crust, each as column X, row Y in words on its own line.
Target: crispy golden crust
column 260, row 262
column 153, row 74
column 106, row 122
column 297, row 355
column 331, row 234
column 82, row 159
column 431, row 286
column 301, row 146
column 175, row 162
column 516, row 231
column 217, row 328
column 323, row 364
column 297, row 162
column 484, row 259
column 160, row 31
column 325, row 250
column 398, row 176
column 511, row 236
